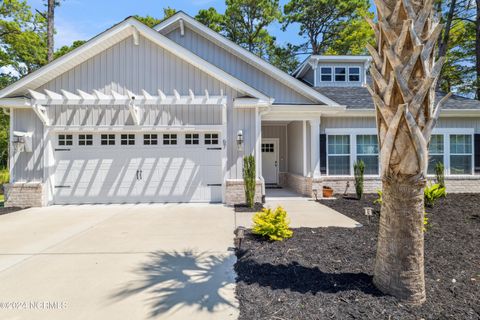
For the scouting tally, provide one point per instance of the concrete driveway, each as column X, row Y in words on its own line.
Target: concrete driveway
column 129, row 261
column 118, row 262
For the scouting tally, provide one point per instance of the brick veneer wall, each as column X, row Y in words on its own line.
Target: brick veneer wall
column 235, row 192
column 24, row 195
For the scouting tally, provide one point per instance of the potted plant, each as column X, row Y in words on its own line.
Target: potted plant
column 327, row 192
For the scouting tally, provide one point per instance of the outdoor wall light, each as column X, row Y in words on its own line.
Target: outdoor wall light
column 239, row 139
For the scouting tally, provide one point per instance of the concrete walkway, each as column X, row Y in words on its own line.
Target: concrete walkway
column 302, row 211
column 118, row 262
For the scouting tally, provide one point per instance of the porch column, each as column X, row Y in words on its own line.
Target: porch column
column 304, row 147
column 315, row 147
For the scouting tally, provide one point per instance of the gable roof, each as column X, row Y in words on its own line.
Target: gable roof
column 245, row 55
column 128, row 27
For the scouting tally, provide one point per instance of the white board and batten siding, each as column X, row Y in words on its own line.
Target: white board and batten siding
column 236, row 66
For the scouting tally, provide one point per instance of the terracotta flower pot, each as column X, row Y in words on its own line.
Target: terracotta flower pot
column 327, row 192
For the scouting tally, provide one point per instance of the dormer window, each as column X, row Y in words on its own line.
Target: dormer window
column 340, row 74
column 354, row 74
column 326, row 74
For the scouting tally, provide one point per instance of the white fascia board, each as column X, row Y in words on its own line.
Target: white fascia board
column 325, row 58
column 307, row 108
column 15, row 103
column 248, row 57
column 251, row 103
column 132, row 25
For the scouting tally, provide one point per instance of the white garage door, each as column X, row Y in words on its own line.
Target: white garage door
column 136, row 168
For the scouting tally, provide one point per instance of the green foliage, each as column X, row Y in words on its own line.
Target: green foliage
column 440, row 174
column 66, row 49
column 359, row 169
column 152, row 21
column 379, row 200
column 272, row 224
column 432, row 193
column 4, row 176
column 249, row 179
column 323, row 21
column 4, row 138
column 425, row 221
column 245, row 22
column 23, row 37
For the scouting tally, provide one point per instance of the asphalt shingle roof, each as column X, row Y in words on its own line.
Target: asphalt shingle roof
column 359, row 98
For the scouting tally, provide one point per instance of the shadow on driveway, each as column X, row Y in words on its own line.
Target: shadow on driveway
column 183, row 279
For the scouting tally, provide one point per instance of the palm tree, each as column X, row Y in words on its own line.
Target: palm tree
column 404, row 73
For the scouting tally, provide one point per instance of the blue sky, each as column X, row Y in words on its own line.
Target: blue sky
column 83, row 19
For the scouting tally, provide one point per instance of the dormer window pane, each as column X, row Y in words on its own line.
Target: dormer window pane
column 340, row 74
column 326, row 74
column 354, row 74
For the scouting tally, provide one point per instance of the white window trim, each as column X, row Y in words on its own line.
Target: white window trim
column 446, row 132
column 346, row 74
column 352, row 132
column 331, row 73
column 359, row 74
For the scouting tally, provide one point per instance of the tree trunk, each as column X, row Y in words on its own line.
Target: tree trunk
column 399, row 261
column 443, row 45
column 404, row 73
column 50, row 29
column 477, row 50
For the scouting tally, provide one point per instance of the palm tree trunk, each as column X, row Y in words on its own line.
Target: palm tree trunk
column 404, row 73
column 399, row 261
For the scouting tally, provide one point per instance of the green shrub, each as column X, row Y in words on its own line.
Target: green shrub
column 272, row 224
column 359, row 169
column 4, row 176
column 425, row 222
column 440, row 174
column 249, row 179
column 432, row 193
column 379, row 200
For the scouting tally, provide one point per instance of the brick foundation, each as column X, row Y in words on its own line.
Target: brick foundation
column 24, row 195
column 235, row 192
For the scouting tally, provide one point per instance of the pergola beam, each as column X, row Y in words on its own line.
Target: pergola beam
column 99, row 98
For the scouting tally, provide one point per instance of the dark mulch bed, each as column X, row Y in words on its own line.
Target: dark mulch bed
column 326, row 273
column 8, row 210
column 244, row 208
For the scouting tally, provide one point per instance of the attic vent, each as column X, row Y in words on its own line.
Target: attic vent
column 182, row 28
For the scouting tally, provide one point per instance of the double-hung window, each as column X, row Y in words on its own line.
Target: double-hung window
column 461, row 154
column 340, row 74
column 339, row 155
column 367, row 151
column 325, row 74
column 436, row 152
column 354, row 74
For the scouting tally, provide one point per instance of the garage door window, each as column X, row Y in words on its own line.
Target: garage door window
column 127, row 139
column 170, row 139
column 192, row 138
column 65, row 140
column 150, row 139
column 107, row 139
column 85, row 139
column 211, row 138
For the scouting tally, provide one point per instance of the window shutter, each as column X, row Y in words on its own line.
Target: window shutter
column 323, row 154
column 477, row 153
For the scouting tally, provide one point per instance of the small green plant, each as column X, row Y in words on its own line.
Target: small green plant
column 359, row 169
column 432, row 193
column 425, row 222
column 379, row 200
column 4, row 176
column 272, row 224
column 440, row 174
column 249, row 179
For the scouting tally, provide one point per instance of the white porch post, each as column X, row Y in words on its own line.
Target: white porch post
column 315, row 147
column 304, row 145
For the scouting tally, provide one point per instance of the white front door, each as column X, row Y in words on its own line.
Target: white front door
column 270, row 160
